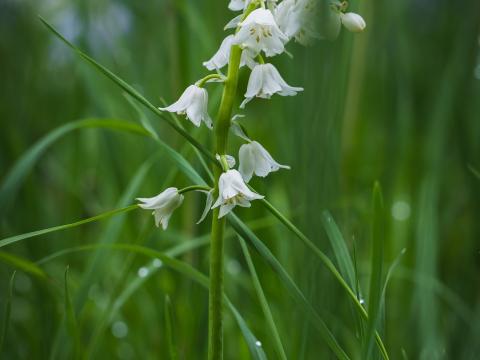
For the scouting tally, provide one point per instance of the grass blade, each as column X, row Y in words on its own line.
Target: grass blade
column 263, row 301
column 6, row 314
column 23, row 264
column 169, row 329
column 71, row 320
column 376, row 276
column 17, row 238
column 340, row 249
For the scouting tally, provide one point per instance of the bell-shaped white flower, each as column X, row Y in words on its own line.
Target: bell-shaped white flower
column 162, row 205
column 194, row 104
column 233, row 191
column 222, row 56
column 254, row 159
column 353, row 22
column 264, row 81
column 298, row 19
column 259, row 32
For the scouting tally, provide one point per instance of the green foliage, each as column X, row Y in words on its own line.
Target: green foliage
column 397, row 103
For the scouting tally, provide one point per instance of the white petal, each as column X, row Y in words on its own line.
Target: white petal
column 221, row 57
column 232, row 24
column 208, row 206
column 247, row 162
column 225, row 209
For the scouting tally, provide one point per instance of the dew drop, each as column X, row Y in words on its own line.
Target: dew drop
column 157, row 263
column 258, row 344
column 400, row 210
column 362, row 301
column 119, row 329
column 143, row 272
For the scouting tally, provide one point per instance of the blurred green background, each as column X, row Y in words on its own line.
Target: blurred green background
column 399, row 103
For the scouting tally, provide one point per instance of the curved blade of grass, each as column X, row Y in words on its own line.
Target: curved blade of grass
column 16, row 238
column 23, row 264
column 16, row 175
column 7, row 311
column 376, row 275
column 340, row 249
column 130, row 90
column 168, row 323
column 294, row 291
column 71, row 320
column 263, row 301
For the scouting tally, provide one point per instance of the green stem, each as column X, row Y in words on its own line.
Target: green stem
column 215, row 329
column 202, row 82
column 194, row 188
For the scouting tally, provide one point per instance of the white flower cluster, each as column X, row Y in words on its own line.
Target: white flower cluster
column 263, row 28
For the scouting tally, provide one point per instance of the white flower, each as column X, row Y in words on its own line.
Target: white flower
column 237, row 5
column 298, row 19
column 255, row 159
column 353, row 22
column 163, row 205
column 233, row 191
column 259, row 32
column 222, row 56
column 264, row 81
column 193, row 103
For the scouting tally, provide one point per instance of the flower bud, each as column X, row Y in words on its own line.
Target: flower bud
column 353, row 22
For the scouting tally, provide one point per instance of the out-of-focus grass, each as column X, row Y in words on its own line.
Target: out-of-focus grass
column 397, row 103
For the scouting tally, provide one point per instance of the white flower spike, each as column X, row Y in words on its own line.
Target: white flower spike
column 254, row 159
column 233, row 191
column 259, row 32
column 162, row 205
column 264, row 81
column 353, row 22
column 194, row 104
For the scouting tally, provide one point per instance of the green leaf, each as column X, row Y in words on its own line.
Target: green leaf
column 292, row 288
column 7, row 311
column 168, row 323
column 23, row 264
column 340, row 249
column 376, row 275
column 263, row 302
column 71, row 320
column 16, row 238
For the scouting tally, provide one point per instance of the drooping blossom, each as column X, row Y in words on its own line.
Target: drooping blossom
column 162, row 205
column 255, row 159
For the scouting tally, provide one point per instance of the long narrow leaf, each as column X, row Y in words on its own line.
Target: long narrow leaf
column 7, row 311
column 340, row 249
column 263, row 301
column 376, row 276
column 16, row 238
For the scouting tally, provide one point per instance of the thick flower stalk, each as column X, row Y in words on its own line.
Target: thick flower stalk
column 262, row 30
